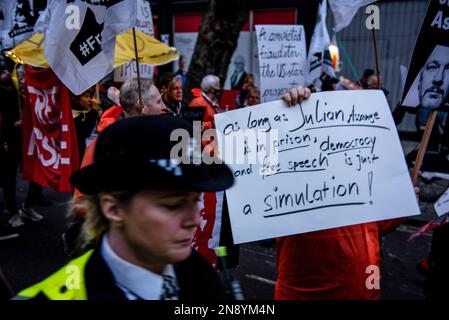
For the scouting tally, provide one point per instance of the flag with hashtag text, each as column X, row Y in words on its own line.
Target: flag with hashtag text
column 80, row 38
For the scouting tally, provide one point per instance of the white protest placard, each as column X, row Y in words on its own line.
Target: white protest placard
column 129, row 70
column 144, row 23
column 282, row 59
column 442, row 205
column 332, row 161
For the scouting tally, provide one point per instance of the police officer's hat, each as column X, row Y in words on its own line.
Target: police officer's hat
column 135, row 154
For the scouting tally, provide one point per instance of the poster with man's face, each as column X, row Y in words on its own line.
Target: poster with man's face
column 427, row 82
column 431, row 86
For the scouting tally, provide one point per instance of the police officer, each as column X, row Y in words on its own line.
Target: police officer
column 143, row 214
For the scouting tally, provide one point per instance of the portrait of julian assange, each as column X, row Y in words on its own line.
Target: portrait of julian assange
column 431, row 86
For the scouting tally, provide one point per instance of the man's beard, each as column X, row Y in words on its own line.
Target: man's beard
column 432, row 98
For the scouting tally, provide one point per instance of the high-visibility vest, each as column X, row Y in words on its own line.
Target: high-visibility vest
column 68, row 283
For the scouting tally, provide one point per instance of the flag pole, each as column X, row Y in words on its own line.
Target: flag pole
column 376, row 53
column 97, row 91
column 423, row 146
column 138, row 69
column 347, row 58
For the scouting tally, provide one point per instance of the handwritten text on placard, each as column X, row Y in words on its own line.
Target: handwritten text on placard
column 282, row 59
column 332, row 161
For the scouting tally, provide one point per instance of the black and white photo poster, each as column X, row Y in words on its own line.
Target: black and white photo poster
column 427, row 83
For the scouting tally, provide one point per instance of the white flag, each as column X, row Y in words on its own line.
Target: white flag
column 42, row 21
column 3, row 14
column 17, row 20
column 80, row 38
column 144, row 23
column 345, row 10
column 319, row 58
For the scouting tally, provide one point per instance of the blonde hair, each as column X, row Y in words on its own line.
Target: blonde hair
column 95, row 223
column 167, row 93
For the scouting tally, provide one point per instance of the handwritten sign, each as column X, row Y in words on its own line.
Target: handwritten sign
column 332, row 161
column 442, row 205
column 282, row 59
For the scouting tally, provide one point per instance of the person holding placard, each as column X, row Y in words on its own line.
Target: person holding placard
column 338, row 263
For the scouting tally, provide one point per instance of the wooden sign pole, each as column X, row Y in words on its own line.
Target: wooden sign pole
column 138, row 69
column 423, row 146
column 376, row 54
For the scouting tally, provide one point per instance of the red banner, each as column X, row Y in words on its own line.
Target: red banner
column 49, row 138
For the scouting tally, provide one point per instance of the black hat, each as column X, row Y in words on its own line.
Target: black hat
column 134, row 154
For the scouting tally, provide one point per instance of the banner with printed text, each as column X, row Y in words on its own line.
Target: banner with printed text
column 50, row 150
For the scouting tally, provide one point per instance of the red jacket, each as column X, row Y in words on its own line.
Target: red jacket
column 330, row 264
column 201, row 101
column 109, row 117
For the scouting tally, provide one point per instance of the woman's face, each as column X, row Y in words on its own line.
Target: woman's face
column 158, row 226
column 175, row 91
column 85, row 100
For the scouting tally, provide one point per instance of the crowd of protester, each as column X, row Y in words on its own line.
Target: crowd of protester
column 328, row 264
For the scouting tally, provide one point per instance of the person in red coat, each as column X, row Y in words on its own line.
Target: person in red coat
column 339, row 263
column 332, row 264
column 208, row 97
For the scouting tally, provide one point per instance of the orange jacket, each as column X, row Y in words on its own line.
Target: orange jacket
column 330, row 264
column 109, row 117
column 200, row 101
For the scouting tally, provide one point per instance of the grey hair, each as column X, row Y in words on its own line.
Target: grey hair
column 209, row 81
column 176, row 78
column 129, row 93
